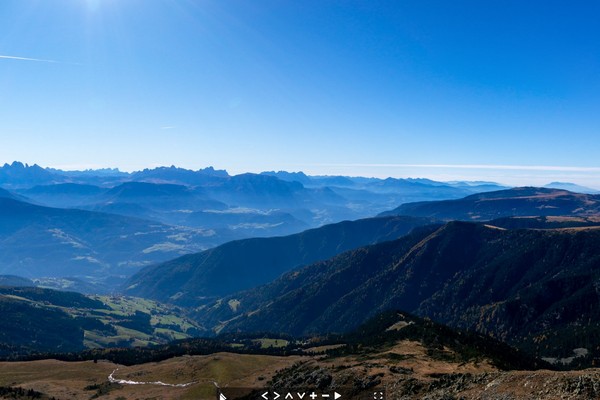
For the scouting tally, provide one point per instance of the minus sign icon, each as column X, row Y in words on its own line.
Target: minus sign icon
column 324, row 395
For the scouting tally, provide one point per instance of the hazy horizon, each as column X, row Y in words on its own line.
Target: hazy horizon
column 521, row 175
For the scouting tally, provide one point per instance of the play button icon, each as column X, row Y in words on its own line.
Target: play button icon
column 336, row 395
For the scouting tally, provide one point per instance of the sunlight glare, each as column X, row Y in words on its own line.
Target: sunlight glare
column 93, row 5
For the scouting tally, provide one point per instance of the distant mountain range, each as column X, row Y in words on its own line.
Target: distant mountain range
column 240, row 206
column 18, row 175
column 572, row 187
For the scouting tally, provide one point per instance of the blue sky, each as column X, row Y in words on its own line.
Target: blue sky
column 497, row 90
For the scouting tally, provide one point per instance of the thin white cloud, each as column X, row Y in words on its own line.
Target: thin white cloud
column 475, row 166
column 40, row 60
column 28, row 59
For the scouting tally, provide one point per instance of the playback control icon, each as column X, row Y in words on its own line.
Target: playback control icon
column 273, row 395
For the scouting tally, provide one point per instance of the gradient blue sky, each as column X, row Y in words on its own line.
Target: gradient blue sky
column 497, row 90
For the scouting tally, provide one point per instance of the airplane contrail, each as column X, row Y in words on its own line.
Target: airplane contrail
column 27, row 59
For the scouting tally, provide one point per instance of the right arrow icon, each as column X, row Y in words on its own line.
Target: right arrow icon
column 336, row 395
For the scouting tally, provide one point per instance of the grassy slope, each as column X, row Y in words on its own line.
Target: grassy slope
column 48, row 320
column 81, row 380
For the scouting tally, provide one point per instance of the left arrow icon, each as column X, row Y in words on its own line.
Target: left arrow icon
column 264, row 395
